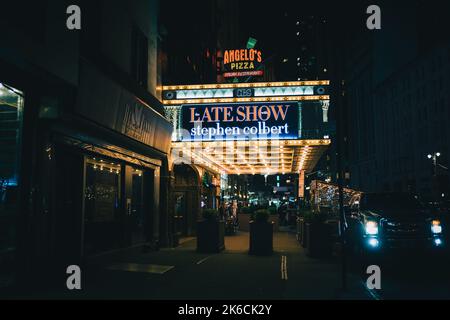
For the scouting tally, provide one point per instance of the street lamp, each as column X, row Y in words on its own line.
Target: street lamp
column 434, row 157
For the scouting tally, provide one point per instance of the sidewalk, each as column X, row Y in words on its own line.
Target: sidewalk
column 182, row 273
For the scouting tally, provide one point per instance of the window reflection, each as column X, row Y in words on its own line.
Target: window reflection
column 102, row 205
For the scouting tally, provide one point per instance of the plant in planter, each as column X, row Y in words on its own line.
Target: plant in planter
column 272, row 210
column 317, row 235
column 261, row 215
column 261, row 233
column 210, row 214
column 210, row 232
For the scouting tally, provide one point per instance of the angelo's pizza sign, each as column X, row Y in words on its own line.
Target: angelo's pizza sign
column 242, row 62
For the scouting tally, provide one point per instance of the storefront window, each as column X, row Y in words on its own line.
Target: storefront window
column 11, row 106
column 102, row 205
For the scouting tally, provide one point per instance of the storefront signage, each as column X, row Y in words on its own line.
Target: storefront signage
column 255, row 73
column 240, row 121
column 118, row 109
column 243, row 92
column 242, row 62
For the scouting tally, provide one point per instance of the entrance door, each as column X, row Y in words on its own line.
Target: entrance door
column 139, row 193
column 180, row 217
column 140, row 209
column 103, row 227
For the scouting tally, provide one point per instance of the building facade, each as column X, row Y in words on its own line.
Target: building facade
column 396, row 103
column 406, row 120
column 85, row 166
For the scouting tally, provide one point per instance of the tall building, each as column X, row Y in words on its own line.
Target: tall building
column 188, row 53
column 85, row 157
column 303, row 46
column 396, row 92
column 193, row 54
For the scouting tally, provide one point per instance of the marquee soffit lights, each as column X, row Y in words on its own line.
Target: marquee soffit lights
column 252, row 99
column 246, row 85
column 251, row 157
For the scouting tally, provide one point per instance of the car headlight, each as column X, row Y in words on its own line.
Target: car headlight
column 436, row 226
column 371, row 228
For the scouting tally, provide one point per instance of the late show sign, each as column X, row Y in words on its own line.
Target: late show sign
column 242, row 62
column 240, row 121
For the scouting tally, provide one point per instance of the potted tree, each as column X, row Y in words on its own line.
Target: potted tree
column 210, row 232
column 261, row 233
column 317, row 235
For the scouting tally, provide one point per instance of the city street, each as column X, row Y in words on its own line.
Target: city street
column 224, row 150
column 182, row 274
column 414, row 276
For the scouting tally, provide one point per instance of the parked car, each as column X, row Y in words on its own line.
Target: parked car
column 378, row 222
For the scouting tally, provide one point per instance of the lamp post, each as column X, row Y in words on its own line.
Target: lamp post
column 434, row 157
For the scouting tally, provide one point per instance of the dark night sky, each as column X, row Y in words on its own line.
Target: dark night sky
column 264, row 20
column 409, row 27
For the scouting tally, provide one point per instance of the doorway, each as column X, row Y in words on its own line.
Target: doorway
column 186, row 200
column 140, row 211
column 180, row 223
column 102, row 206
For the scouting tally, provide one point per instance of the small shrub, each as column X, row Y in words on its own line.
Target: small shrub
column 210, row 214
column 261, row 215
column 311, row 217
column 272, row 210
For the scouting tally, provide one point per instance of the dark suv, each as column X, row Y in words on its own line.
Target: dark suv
column 380, row 221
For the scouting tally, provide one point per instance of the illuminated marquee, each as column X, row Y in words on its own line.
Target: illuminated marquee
column 249, row 121
column 242, row 62
column 247, row 128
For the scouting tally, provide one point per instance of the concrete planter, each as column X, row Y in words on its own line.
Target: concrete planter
column 210, row 236
column 261, row 238
column 244, row 221
column 317, row 239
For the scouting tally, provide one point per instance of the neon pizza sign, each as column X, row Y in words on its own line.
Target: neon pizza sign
column 242, row 62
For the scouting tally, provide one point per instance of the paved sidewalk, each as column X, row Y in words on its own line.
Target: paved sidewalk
column 182, row 273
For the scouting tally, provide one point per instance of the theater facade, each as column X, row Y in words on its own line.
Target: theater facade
column 240, row 128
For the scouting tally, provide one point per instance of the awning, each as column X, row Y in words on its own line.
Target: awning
column 251, row 157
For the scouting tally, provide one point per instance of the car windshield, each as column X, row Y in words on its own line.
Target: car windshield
column 391, row 202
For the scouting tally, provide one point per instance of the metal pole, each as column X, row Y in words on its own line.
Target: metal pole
column 339, row 129
column 434, row 162
column 342, row 218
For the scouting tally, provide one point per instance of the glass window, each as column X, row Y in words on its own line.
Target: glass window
column 102, row 194
column 11, row 107
column 102, row 206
